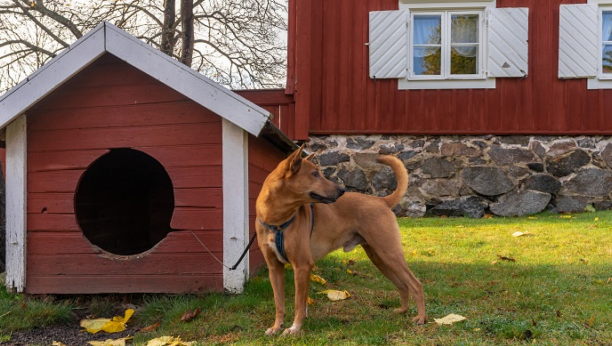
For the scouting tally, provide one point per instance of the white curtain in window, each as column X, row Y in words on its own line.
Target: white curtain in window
column 464, row 29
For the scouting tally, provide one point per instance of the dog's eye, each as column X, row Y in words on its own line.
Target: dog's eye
column 315, row 174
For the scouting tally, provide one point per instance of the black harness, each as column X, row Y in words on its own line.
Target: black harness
column 279, row 236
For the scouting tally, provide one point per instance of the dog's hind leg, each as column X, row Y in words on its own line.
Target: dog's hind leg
column 391, row 262
column 402, row 288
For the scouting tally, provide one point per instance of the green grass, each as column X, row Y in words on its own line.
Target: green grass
column 558, row 291
column 17, row 313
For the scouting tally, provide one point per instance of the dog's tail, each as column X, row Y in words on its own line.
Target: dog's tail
column 402, row 179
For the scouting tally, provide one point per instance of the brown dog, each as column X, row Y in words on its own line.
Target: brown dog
column 355, row 219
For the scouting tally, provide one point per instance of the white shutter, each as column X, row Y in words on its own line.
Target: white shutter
column 578, row 52
column 508, row 42
column 388, row 44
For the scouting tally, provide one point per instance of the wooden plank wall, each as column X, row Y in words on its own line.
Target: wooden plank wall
column 279, row 104
column 334, row 94
column 112, row 105
column 263, row 159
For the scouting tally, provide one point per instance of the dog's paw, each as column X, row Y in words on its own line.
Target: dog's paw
column 273, row 331
column 292, row 331
column 420, row 320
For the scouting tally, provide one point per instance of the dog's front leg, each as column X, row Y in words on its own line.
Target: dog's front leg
column 302, row 285
column 277, row 279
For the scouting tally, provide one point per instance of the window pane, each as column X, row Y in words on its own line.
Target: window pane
column 427, row 29
column 426, row 60
column 607, row 26
column 606, row 60
column 464, row 28
column 463, row 59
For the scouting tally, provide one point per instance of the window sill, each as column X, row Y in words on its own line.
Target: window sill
column 596, row 83
column 488, row 83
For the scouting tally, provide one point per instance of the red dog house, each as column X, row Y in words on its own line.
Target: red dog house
column 129, row 172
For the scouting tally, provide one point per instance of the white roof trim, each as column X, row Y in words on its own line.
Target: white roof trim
column 108, row 38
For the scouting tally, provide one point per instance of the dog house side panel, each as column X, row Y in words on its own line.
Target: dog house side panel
column 110, row 106
column 263, row 159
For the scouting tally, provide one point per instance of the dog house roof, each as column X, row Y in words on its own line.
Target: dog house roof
column 107, row 38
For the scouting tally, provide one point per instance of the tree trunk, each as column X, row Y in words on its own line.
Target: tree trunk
column 187, row 25
column 167, row 36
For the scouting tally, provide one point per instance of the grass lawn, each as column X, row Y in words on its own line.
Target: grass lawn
column 557, row 291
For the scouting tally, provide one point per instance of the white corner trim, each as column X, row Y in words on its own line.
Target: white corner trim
column 46, row 79
column 16, row 202
column 235, row 205
column 186, row 81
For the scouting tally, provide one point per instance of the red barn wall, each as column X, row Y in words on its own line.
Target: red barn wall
column 113, row 105
column 263, row 158
column 334, row 94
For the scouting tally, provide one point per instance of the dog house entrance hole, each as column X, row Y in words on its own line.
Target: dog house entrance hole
column 124, row 202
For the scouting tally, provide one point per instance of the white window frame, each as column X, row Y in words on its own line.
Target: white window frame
column 603, row 80
column 600, row 74
column 445, row 17
column 448, row 7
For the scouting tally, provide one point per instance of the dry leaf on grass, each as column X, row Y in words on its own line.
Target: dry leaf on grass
column 310, row 301
column 169, row 341
column 504, row 258
column 522, row 234
column 316, row 278
column 190, row 315
column 335, row 295
column 449, row 319
column 58, row 343
column 110, row 342
column 354, row 272
column 150, row 328
column 117, row 324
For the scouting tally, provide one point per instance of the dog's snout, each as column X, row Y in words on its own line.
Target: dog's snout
column 341, row 191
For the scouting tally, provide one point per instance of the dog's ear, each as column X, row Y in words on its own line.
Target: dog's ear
column 309, row 157
column 295, row 161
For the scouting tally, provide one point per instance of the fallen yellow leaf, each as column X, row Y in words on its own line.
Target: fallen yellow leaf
column 449, row 319
column 57, row 343
column 117, row 324
column 565, row 216
column 316, row 278
column 521, row 234
column 596, row 219
column 335, row 295
column 110, row 342
column 169, row 341
column 310, row 301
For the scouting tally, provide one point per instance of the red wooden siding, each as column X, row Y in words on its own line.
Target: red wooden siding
column 279, row 104
column 113, row 105
column 263, row 158
column 334, row 94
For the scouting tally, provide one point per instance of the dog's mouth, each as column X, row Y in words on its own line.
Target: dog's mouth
column 325, row 199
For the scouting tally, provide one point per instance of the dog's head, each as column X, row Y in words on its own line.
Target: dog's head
column 306, row 182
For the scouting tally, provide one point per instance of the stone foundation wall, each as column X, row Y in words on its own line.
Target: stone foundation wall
column 474, row 175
